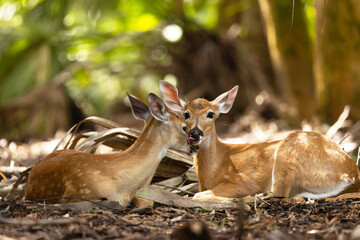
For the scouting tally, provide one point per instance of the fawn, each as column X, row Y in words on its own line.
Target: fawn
column 74, row 174
column 305, row 164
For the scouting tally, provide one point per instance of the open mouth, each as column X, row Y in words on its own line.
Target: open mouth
column 193, row 141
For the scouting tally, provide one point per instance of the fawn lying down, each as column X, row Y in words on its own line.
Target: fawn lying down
column 304, row 163
column 69, row 173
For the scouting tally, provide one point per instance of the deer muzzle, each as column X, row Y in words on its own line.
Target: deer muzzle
column 195, row 135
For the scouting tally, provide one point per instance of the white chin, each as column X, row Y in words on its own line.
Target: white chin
column 197, row 143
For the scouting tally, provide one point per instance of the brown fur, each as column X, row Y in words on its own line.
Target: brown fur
column 69, row 173
column 304, row 163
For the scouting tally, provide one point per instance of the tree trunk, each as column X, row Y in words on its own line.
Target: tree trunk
column 291, row 53
column 337, row 58
column 208, row 63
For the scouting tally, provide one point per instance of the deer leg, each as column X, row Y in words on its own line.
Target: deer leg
column 223, row 191
column 141, row 202
column 283, row 181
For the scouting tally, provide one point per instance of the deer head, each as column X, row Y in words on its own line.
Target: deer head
column 173, row 124
column 200, row 113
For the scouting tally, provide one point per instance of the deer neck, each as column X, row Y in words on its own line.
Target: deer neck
column 151, row 146
column 210, row 156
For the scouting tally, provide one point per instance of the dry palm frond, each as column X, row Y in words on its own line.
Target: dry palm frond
column 120, row 138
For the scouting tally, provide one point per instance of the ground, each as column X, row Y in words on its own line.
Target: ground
column 267, row 219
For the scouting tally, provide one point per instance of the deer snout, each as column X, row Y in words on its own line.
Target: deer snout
column 195, row 135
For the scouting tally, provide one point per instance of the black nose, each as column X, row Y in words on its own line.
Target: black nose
column 196, row 133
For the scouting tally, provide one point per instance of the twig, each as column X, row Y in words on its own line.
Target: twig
column 72, row 198
column 344, row 139
column 292, row 15
column 358, row 157
column 3, row 176
column 255, row 206
column 22, row 179
column 175, row 188
column 263, row 201
column 6, row 169
column 41, row 221
column 339, row 123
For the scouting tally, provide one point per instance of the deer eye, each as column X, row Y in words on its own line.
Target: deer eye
column 185, row 129
column 210, row 115
column 186, row 115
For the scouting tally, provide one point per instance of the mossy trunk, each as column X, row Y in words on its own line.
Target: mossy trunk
column 291, row 54
column 337, row 58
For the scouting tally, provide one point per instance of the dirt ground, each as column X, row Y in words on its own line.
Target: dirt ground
column 265, row 219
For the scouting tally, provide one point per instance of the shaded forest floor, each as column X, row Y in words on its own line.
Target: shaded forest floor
column 268, row 219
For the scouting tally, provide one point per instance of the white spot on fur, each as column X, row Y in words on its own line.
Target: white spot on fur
column 302, row 138
column 334, row 153
column 87, row 191
column 226, row 176
column 230, row 168
column 81, row 191
column 97, row 172
column 79, row 174
column 85, row 164
column 83, row 185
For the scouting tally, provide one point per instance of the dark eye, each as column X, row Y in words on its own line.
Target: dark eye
column 185, row 129
column 186, row 115
column 210, row 115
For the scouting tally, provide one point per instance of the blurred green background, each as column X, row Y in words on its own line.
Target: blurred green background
column 61, row 60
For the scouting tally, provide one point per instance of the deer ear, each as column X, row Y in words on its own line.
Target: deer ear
column 138, row 108
column 171, row 97
column 157, row 108
column 225, row 101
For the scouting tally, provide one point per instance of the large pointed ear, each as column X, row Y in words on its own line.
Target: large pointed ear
column 171, row 97
column 225, row 101
column 138, row 108
column 157, row 108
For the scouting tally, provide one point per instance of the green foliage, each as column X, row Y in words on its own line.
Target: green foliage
column 310, row 13
column 223, row 222
column 108, row 47
column 105, row 47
